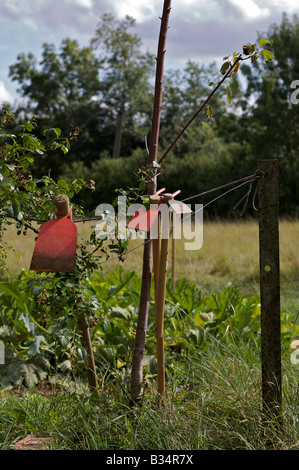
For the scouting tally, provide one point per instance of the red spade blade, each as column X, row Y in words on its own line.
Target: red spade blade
column 144, row 220
column 55, row 247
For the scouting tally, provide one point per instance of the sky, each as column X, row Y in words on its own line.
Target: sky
column 199, row 30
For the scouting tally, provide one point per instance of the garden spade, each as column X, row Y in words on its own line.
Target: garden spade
column 145, row 220
column 55, row 247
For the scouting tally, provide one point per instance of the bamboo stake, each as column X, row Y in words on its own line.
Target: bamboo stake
column 160, row 302
column 173, row 252
column 63, row 209
column 156, row 247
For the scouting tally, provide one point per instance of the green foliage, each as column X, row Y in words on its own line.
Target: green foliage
column 38, row 326
column 270, row 120
column 22, row 196
column 60, row 91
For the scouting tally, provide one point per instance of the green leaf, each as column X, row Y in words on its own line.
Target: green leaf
column 65, row 365
column 224, row 68
column 248, row 48
column 63, row 341
column 13, row 209
column 10, row 167
column 81, row 353
column 234, row 84
column 268, row 55
column 209, row 111
column 228, row 94
column 142, row 186
column 54, row 130
column 262, row 42
column 29, row 325
column 64, row 149
column 35, row 348
column 36, row 290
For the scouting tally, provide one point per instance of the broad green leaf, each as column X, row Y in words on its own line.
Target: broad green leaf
column 234, row 84
column 65, row 365
column 268, row 55
column 13, row 210
column 10, row 167
column 224, row 68
column 35, row 348
column 30, row 326
column 228, row 94
column 262, row 42
column 81, row 353
column 36, row 290
column 64, row 148
column 63, row 341
column 54, row 130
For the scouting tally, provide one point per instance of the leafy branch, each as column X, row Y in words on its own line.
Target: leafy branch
column 228, row 69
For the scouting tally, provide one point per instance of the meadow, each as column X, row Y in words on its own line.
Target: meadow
column 229, row 254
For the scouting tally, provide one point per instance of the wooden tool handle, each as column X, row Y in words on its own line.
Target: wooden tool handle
column 62, row 205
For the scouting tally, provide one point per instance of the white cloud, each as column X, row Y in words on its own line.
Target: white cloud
column 140, row 11
column 84, row 3
column 250, row 9
column 5, row 96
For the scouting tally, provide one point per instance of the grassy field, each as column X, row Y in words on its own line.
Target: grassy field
column 230, row 254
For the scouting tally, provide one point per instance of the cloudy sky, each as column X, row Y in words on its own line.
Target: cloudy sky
column 202, row 30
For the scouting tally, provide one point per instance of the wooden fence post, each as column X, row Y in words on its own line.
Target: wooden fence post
column 270, row 289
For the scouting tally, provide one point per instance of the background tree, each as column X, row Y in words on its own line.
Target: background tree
column 184, row 92
column 60, row 89
column 270, row 122
column 126, row 91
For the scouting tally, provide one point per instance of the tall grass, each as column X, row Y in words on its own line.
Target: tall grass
column 212, row 402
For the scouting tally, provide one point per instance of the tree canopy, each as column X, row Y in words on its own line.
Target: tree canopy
column 106, row 91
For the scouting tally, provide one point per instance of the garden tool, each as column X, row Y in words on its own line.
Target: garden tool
column 144, row 220
column 55, row 247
